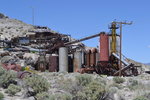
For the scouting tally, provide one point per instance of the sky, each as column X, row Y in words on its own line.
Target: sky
column 81, row 18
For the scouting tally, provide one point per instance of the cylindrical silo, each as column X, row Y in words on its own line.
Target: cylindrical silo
column 117, row 44
column 104, row 47
column 63, row 59
column 77, row 61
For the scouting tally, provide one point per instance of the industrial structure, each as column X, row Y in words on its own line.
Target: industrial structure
column 60, row 52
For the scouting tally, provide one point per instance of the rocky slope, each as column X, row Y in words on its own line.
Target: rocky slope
column 11, row 27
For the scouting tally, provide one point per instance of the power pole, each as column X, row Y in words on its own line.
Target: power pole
column 120, row 25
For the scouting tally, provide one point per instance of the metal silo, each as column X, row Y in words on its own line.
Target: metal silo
column 88, row 53
column 77, row 61
column 63, row 59
column 53, row 63
column 104, row 47
column 93, row 57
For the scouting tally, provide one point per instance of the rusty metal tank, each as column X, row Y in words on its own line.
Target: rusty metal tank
column 53, row 63
column 93, row 57
column 88, row 53
column 77, row 61
column 104, row 47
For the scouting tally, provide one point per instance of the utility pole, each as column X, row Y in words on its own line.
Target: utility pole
column 120, row 25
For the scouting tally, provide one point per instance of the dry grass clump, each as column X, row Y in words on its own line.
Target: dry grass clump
column 13, row 89
column 1, row 96
column 7, row 78
column 93, row 91
column 84, row 87
column 118, row 80
column 37, row 83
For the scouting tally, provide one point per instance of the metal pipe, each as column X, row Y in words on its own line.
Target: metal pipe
column 86, row 38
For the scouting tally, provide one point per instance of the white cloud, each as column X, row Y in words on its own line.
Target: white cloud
column 148, row 46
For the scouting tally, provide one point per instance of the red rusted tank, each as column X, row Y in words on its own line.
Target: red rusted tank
column 104, row 47
column 93, row 57
column 88, row 58
column 53, row 64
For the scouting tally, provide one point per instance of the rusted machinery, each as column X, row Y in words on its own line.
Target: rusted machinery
column 108, row 62
column 66, row 55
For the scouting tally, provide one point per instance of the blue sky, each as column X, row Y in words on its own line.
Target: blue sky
column 81, row 18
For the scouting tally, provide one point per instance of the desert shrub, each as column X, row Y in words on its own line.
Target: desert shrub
column 140, row 98
column 119, row 86
column 133, row 84
column 118, row 80
column 2, row 70
column 93, row 91
column 42, row 96
column 147, row 95
column 56, row 96
column 7, row 78
column 101, row 80
column 8, row 27
column 69, row 85
column 1, row 96
column 37, row 83
column 113, row 89
column 73, row 86
column 2, row 29
column 60, row 96
column 133, row 81
column 17, row 30
column 83, row 79
column 13, row 89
